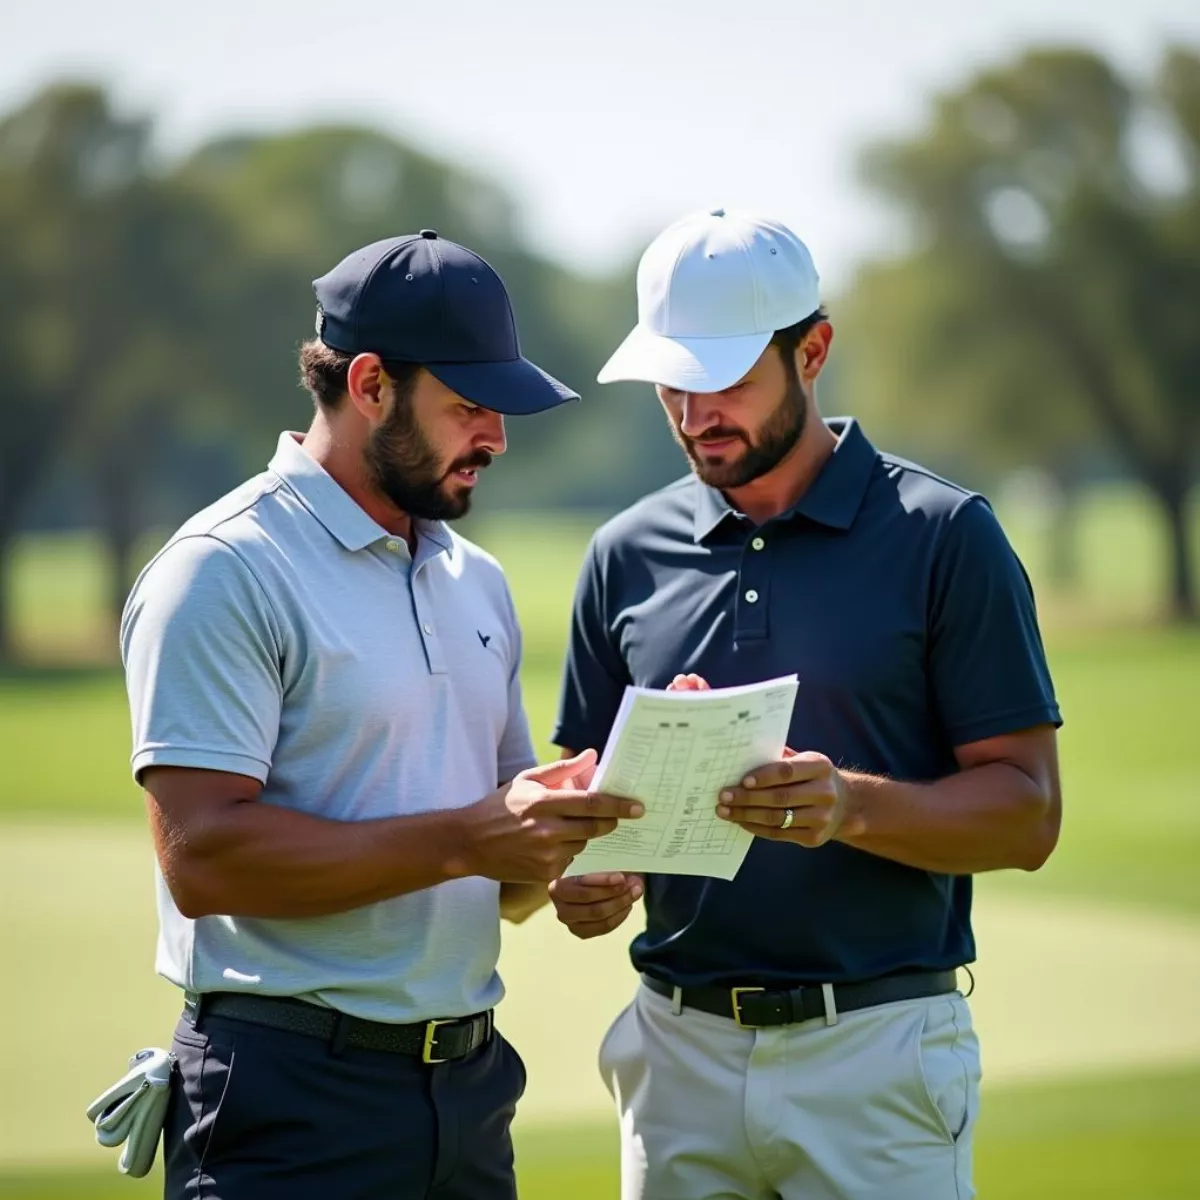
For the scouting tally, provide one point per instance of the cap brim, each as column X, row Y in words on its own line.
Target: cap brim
column 516, row 387
column 687, row 364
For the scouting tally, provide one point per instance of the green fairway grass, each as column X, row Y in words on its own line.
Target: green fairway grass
column 58, row 582
column 78, row 935
column 1131, row 757
column 1119, row 1138
column 66, row 744
column 1131, row 766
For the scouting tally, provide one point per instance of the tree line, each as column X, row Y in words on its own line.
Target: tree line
column 1044, row 308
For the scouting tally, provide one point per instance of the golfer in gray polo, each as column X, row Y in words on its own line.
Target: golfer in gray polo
column 328, row 727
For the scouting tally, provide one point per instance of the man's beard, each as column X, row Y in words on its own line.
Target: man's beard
column 775, row 441
column 403, row 465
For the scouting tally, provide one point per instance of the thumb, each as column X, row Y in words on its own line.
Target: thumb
column 556, row 773
column 688, row 683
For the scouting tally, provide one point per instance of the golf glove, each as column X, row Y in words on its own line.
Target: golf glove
column 133, row 1110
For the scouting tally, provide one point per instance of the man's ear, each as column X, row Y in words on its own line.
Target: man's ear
column 813, row 351
column 367, row 387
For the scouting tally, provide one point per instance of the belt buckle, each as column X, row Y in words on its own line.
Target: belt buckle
column 736, row 994
column 431, row 1028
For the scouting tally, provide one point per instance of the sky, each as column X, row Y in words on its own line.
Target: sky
column 605, row 121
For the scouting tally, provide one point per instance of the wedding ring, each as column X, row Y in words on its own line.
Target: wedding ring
column 788, row 816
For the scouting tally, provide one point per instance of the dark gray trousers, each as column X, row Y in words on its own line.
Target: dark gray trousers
column 264, row 1114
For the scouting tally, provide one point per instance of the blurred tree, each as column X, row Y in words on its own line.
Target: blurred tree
column 1047, row 309
column 165, row 380
column 67, row 168
column 303, row 200
column 149, row 312
column 103, row 269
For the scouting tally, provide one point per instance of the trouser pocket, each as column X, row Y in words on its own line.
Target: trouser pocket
column 947, row 1064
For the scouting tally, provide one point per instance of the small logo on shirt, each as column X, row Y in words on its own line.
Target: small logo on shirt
column 484, row 638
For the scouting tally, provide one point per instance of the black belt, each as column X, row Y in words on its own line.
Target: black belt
column 756, row 1007
column 431, row 1041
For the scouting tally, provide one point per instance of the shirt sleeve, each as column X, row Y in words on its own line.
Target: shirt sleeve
column 515, row 752
column 200, row 646
column 595, row 674
column 987, row 662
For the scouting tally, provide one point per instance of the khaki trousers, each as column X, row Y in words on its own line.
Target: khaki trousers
column 880, row 1105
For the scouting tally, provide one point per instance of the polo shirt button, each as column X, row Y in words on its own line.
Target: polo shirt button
column 393, row 545
column 751, row 596
column 757, row 544
column 427, row 627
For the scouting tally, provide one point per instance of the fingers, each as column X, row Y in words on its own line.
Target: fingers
column 591, row 929
column 598, row 910
column 688, row 683
column 799, row 768
column 773, row 818
column 815, row 793
column 598, row 886
column 588, row 827
column 590, row 909
column 556, row 773
column 582, row 781
column 807, row 835
column 578, row 804
column 567, row 831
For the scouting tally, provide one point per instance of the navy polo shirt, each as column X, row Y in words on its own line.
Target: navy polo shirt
column 899, row 603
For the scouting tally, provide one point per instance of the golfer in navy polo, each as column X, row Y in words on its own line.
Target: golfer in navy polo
column 328, row 727
column 799, row 1031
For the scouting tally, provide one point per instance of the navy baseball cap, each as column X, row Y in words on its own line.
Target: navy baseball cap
column 422, row 299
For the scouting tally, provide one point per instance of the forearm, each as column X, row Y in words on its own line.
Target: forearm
column 986, row 818
column 519, row 901
column 260, row 860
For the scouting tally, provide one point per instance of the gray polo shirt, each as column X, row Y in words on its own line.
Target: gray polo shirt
column 284, row 635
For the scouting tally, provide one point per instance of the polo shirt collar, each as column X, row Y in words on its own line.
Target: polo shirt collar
column 435, row 531
column 325, row 498
column 834, row 497
column 711, row 509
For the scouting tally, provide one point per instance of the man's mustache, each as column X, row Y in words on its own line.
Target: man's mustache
column 716, row 435
column 480, row 459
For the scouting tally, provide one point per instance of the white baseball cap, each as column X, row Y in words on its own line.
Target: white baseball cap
column 712, row 290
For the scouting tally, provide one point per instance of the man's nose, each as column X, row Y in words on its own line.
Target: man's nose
column 697, row 413
column 492, row 437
